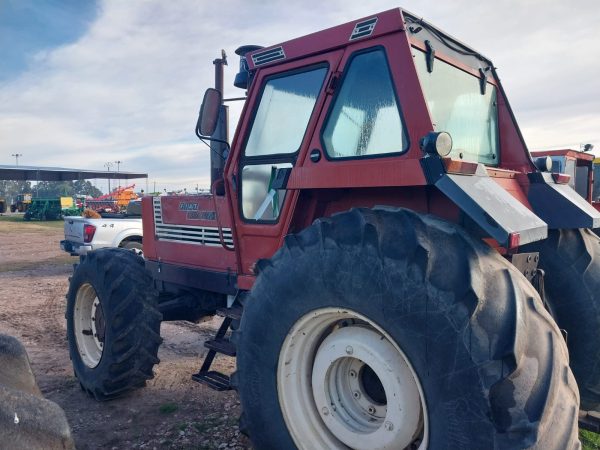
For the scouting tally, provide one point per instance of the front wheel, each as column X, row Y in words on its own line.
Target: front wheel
column 391, row 330
column 113, row 324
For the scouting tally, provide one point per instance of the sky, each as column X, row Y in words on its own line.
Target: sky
column 84, row 82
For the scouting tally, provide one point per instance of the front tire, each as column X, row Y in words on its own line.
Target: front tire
column 456, row 346
column 113, row 324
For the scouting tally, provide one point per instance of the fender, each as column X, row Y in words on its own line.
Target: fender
column 501, row 215
column 127, row 233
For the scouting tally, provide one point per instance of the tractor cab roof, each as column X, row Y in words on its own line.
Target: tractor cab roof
column 369, row 27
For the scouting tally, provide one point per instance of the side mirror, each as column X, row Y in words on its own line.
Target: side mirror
column 209, row 112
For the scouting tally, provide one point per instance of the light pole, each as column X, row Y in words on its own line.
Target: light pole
column 118, row 163
column 16, row 155
column 108, row 165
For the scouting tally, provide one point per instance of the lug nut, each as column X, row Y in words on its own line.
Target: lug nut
column 371, row 410
column 352, row 374
column 349, row 350
column 356, row 394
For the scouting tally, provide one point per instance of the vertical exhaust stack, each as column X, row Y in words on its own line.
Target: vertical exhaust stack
column 218, row 149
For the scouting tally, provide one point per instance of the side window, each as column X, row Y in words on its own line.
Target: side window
column 365, row 119
column 286, row 105
column 456, row 105
column 259, row 201
column 282, row 116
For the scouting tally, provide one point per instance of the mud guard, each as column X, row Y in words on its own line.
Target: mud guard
column 559, row 205
column 482, row 199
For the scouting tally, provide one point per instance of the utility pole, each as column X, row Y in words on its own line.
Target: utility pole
column 108, row 165
column 118, row 163
column 16, row 155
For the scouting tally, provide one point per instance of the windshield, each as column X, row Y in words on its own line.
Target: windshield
column 457, row 106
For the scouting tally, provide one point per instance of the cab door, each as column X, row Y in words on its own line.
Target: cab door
column 280, row 116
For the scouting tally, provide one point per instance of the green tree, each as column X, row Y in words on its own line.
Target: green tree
column 85, row 187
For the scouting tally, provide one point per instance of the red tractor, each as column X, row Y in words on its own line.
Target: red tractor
column 393, row 269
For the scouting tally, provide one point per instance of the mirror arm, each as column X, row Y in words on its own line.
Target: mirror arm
column 209, row 138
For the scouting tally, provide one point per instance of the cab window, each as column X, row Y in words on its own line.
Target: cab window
column 365, row 119
column 282, row 116
column 457, row 105
column 286, row 105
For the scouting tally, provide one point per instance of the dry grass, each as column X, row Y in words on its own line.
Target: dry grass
column 28, row 265
column 15, row 223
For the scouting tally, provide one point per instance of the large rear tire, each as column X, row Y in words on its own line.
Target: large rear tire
column 389, row 329
column 571, row 261
column 113, row 324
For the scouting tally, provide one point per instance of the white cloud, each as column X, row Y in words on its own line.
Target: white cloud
column 130, row 88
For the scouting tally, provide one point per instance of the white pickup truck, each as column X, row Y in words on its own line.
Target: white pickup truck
column 83, row 235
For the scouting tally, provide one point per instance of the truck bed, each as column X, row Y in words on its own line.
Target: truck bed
column 111, row 231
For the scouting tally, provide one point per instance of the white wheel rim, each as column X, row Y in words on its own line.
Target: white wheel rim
column 343, row 382
column 88, row 321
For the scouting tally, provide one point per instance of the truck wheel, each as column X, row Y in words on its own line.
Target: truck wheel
column 135, row 247
column 389, row 329
column 113, row 324
column 571, row 261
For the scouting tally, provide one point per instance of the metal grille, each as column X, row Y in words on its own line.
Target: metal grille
column 363, row 29
column 268, row 56
column 188, row 234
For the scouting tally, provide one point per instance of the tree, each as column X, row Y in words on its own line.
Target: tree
column 85, row 187
column 47, row 189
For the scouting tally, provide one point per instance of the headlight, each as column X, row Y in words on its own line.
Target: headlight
column 437, row 143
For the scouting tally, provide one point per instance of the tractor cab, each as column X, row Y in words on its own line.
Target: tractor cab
column 581, row 168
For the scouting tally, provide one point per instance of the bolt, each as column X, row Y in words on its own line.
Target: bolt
column 352, row 374
column 389, row 426
column 371, row 410
column 529, row 258
column 325, row 411
column 349, row 350
column 356, row 394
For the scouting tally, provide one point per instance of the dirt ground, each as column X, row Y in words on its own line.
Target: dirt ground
column 172, row 411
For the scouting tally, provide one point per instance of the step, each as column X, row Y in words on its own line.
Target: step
column 221, row 345
column 589, row 420
column 235, row 312
column 214, row 380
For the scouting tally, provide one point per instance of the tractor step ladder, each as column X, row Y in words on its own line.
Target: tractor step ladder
column 219, row 345
column 589, row 420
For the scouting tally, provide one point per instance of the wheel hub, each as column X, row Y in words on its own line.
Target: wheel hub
column 347, row 409
column 343, row 382
column 88, row 325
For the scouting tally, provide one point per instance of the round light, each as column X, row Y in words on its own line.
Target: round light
column 439, row 143
column 543, row 163
column 443, row 144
